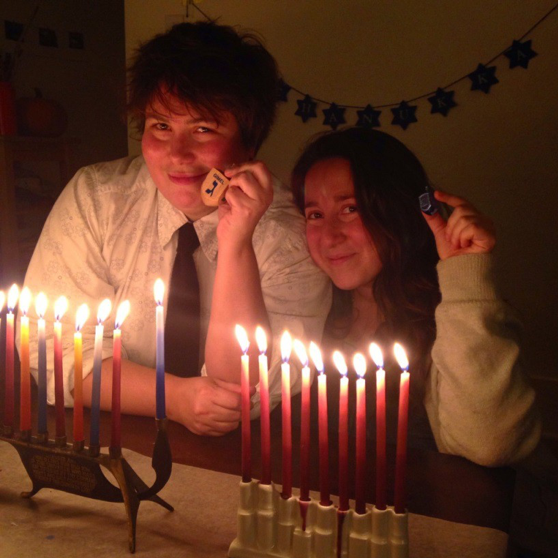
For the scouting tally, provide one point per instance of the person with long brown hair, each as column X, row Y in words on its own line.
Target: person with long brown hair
column 402, row 274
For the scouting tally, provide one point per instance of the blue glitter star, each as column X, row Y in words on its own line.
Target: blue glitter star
column 283, row 89
column 334, row 115
column 368, row 117
column 519, row 54
column 483, row 78
column 442, row 102
column 306, row 108
column 403, row 115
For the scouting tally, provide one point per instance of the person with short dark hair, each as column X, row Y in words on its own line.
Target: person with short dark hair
column 402, row 274
column 203, row 97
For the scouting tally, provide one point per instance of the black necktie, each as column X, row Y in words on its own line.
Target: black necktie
column 182, row 328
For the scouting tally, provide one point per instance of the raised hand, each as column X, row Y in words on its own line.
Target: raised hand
column 467, row 231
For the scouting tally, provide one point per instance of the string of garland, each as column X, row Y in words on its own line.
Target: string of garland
column 442, row 100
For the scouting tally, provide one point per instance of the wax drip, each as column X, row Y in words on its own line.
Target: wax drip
column 304, row 512
column 340, row 519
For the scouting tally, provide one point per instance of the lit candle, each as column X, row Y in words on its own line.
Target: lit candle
column 287, row 440
column 304, row 422
column 246, row 466
column 264, row 407
column 13, row 295
column 102, row 314
column 159, row 292
column 60, row 307
column 339, row 362
column 316, row 356
column 116, row 436
column 41, row 304
column 25, row 381
column 401, row 448
column 359, row 363
column 381, row 460
column 2, row 301
column 81, row 317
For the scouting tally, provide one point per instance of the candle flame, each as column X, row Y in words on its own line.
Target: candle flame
column 376, row 354
column 121, row 313
column 13, row 295
column 2, row 300
column 261, row 339
column 242, row 338
column 316, row 356
column 104, row 311
column 41, row 304
column 60, row 307
column 82, row 315
column 300, row 351
column 401, row 357
column 159, row 291
column 286, row 346
column 24, row 300
column 339, row 361
column 359, row 364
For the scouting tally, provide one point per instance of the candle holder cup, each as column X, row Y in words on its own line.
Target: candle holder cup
column 66, row 467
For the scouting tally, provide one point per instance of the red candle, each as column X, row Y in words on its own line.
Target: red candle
column 304, row 423
column 25, row 378
column 246, row 466
column 13, row 295
column 116, row 437
column 287, row 440
column 381, row 461
column 60, row 308
column 359, row 364
column 401, row 448
column 343, row 431
column 323, row 442
column 264, row 407
column 81, row 317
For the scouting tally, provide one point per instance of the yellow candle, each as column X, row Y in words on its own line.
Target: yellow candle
column 25, row 383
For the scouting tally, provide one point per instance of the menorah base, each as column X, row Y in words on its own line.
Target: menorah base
column 73, row 469
column 272, row 527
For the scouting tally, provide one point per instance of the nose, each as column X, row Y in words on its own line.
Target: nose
column 181, row 149
column 333, row 232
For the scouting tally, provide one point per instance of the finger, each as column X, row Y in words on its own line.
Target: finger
column 450, row 199
column 436, row 223
column 227, row 399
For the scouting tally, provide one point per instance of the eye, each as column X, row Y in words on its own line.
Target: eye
column 350, row 209
column 313, row 215
column 161, row 126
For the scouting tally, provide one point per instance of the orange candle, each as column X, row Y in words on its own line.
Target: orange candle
column 25, row 378
column 41, row 304
column 359, row 363
column 343, row 431
column 60, row 308
column 264, row 407
column 9, row 395
column 287, row 440
column 304, row 423
column 323, row 441
column 401, row 448
column 246, row 465
column 81, row 317
column 381, row 461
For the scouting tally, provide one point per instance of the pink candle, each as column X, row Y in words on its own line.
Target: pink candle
column 116, row 437
column 25, row 381
column 323, row 441
column 401, row 448
column 13, row 295
column 359, row 364
column 381, row 461
column 246, row 466
column 264, row 407
column 304, row 423
column 81, row 317
column 287, row 440
column 60, row 308
column 343, row 431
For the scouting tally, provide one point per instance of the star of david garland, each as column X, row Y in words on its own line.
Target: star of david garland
column 368, row 117
column 306, row 108
column 403, row 115
column 283, row 89
column 334, row 116
column 483, row 78
column 442, row 102
column 519, row 54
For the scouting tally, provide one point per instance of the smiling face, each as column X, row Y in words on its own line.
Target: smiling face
column 180, row 147
column 337, row 238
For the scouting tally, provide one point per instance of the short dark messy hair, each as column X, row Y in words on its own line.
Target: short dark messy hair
column 214, row 69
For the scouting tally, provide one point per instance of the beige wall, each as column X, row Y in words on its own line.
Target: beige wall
column 499, row 150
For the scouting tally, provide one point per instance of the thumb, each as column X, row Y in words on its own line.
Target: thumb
column 436, row 223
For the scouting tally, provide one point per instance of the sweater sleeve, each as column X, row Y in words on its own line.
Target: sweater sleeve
column 479, row 403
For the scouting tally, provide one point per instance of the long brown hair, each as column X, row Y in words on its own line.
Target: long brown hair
column 388, row 179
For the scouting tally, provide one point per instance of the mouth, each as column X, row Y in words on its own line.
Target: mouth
column 186, row 179
column 339, row 260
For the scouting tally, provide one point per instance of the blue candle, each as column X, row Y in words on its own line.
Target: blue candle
column 102, row 315
column 159, row 291
column 41, row 304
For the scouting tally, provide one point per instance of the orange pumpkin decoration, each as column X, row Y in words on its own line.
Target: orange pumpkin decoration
column 40, row 117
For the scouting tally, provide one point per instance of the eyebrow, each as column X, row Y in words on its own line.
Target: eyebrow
column 197, row 120
column 338, row 198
